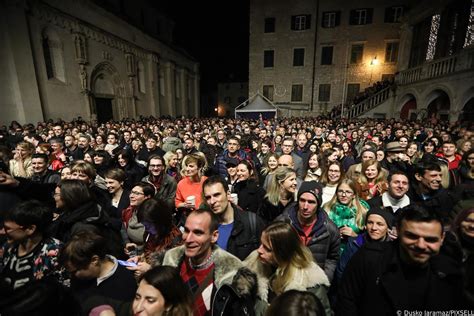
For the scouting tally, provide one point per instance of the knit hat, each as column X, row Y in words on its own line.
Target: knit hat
column 386, row 215
column 314, row 188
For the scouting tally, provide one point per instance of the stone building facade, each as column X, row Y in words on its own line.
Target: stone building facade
column 436, row 66
column 94, row 59
column 308, row 56
column 229, row 96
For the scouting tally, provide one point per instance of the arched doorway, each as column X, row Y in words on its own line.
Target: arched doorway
column 109, row 100
column 467, row 113
column 438, row 105
column 408, row 109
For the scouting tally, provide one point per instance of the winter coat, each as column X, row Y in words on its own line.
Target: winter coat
column 220, row 164
column 167, row 191
column 441, row 201
column 235, row 286
column 371, row 283
column 311, row 278
column 171, row 144
column 243, row 239
column 250, row 195
column 325, row 238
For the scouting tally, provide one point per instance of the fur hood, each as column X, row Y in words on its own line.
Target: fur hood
column 226, row 265
column 303, row 279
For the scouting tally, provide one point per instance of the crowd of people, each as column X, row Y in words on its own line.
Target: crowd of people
column 292, row 216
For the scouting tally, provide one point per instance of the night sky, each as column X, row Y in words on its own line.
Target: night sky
column 216, row 34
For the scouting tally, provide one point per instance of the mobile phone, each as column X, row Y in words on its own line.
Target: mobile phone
column 126, row 263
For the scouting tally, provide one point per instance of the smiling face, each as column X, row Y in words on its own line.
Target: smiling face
column 334, row 174
column 137, row 196
column 467, row 226
column 272, row 163
column 113, row 185
column 198, row 237
column 371, row 172
column 148, row 301
column 289, row 184
column 191, row 169
column 243, row 173
column 398, row 186
column 430, row 180
column 419, row 241
column 313, row 162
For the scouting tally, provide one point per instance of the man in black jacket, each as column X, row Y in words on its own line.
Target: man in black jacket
column 405, row 275
column 314, row 227
column 239, row 231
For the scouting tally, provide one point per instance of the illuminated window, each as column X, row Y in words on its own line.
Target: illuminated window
column 470, row 29
column 430, row 53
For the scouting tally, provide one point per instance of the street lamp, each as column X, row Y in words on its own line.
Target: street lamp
column 373, row 62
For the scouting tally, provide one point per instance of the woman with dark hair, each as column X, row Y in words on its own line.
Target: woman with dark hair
column 160, row 233
column 466, row 167
column 132, row 169
column 162, row 292
column 250, row 193
column 80, row 211
column 101, row 162
column 430, row 146
column 330, row 178
column 296, row 303
column 120, row 197
column 328, row 156
column 283, row 263
column 132, row 230
column 348, row 155
column 313, row 171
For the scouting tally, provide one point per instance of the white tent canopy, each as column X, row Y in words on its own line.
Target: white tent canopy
column 256, row 105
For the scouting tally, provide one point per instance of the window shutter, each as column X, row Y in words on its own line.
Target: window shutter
column 370, row 13
column 387, row 15
column 352, row 17
column 338, row 18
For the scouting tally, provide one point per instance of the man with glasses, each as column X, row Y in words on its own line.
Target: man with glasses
column 164, row 184
column 28, row 254
column 287, row 149
column 314, row 227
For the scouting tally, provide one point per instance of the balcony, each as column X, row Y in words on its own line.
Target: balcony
column 464, row 61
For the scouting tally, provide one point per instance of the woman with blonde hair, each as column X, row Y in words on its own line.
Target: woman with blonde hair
column 347, row 211
column 372, row 180
column 20, row 165
column 283, row 263
column 280, row 192
column 172, row 165
column 191, row 184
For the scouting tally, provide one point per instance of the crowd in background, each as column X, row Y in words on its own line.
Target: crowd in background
column 249, row 213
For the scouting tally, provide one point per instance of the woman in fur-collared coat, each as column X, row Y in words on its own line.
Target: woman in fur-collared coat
column 283, row 263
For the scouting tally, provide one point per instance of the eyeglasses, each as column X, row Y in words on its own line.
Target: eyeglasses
column 137, row 193
column 155, row 166
column 342, row 192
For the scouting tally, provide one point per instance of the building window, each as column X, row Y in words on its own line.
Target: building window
column 388, row 77
column 361, row 16
column 469, row 39
column 391, row 52
column 357, row 51
column 298, row 57
column 268, row 58
column 269, row 25
column 297, row 93
column 352, row 90
column 53, row 55
column 300, row 22
column 326, row 55
column 393, row 14
column 324, row 92
column 433, row 39
column 141, row 77
column 268, row 92
column 331, row 19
